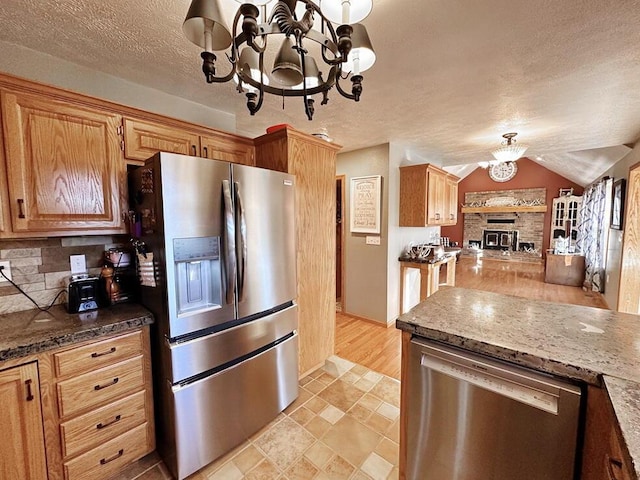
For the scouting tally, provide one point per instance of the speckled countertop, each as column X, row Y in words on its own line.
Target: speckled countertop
column 593, row 345
column 33, row 331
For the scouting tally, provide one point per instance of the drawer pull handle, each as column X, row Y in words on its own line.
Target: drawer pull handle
column 100, row 426
column 29, row 392
column 21, row 208
column 96, row 355
column 104, row 461
column 206, row 152
column 100, row 387
column 611, row 471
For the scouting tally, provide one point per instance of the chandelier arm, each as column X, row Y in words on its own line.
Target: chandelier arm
column 343, row 92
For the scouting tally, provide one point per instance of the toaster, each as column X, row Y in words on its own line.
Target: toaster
column 82, row 293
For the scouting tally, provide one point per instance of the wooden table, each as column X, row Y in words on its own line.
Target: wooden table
column 429, row 276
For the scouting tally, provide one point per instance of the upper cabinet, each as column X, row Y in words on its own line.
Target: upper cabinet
column 65, row 172
column 428, row 196
column 142, row 139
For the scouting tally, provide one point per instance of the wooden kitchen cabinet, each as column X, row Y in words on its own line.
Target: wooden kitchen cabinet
column 603, row 456
column 143, row 139
column 22, row 451
column 65, row 172
column 313, row 162
column 105, row 405
column 428, row 196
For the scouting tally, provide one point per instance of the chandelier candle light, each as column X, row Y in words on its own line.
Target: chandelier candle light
column 345, row 50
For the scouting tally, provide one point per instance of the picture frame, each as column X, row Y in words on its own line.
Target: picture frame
column 617, row 204
column 365, row 202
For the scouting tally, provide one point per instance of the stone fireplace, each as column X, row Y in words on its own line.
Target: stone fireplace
column 497, row 228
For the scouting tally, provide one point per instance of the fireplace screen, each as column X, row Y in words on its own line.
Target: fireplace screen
column 500, row 239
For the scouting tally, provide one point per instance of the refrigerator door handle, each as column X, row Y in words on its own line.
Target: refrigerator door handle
column 242, row 251
column 229, row 240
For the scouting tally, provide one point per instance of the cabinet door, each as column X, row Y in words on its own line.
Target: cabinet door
column 436, row 198
column 64, row 166
column 143, row 139
column 227, row 148
column 451, row 201
column 22, row 453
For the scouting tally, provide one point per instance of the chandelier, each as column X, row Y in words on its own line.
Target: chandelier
column 306, row 37
column 509, row 151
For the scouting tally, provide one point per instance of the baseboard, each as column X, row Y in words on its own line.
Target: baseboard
column 369, row 320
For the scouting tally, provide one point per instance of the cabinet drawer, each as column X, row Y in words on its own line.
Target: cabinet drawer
column 105, row 460
column 98, row 354
column 98, row 426
column 100, row 386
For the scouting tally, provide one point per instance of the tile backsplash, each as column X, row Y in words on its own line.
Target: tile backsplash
column 41, row 266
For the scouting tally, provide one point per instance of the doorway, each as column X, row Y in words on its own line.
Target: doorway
column 629, row 292
column 340, row 182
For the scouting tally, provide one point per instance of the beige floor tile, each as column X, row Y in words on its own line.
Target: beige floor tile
column 318, row 426
column 326, row 378
column 389, row 450
column 359, row 370
column 337, row 366
column 285, row 442
column 370, row 401
column 214, row 466
column 305, row 380
column 303, row 469
column 315, row 386
column 378, row 423
column 364, row 384
column 374, row 377
column 316, row 404
column 332, row 414
column 247, row 458
column 338, row 468
column 303, row 397
column 228, row 472
column 376, row 467
column 265, row 470
column 350, row 377
column 360, row 475
column 351, row 439
column 390, row 411
column 319, row 454
column 360, row 413
column 302, row 415
column 341, row 395
column 154, row 473
column 388, row 389
column 393, row 433
column 395, row 474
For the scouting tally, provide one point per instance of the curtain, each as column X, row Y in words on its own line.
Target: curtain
column 593, row 230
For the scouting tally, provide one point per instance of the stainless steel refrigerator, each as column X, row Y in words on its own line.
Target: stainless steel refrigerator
column 219, row 276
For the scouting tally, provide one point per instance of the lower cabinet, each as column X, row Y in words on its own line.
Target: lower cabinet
column 602, row 457
column 105, row 406
column 22, row 453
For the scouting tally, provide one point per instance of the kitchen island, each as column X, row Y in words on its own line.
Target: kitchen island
column 596, row 347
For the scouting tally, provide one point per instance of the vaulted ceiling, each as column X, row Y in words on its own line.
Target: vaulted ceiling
column 450, row 78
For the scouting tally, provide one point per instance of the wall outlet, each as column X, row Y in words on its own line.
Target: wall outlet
column 6, row 270
column 370, row 240
column 78, row 264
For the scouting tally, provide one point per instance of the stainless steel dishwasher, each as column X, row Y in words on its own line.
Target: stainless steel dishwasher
column 474, row 418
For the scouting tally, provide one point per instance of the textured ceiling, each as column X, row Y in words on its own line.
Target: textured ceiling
column 446, row 85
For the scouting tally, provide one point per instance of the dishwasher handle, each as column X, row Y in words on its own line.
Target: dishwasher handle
column 481, row 376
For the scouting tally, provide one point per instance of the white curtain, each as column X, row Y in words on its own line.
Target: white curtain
column 595, row 218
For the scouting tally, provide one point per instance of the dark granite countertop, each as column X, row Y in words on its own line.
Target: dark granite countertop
column 597, row 346
column 32, row 331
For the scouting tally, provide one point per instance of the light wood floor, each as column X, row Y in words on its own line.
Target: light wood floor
column 378, row 348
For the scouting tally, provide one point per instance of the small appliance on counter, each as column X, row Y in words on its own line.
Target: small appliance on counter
column 117, row 278
column 82, row 293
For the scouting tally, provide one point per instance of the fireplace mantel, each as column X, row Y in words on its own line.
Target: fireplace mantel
column 506, row 209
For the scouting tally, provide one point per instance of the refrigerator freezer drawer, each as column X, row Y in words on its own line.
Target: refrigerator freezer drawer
column 223, row 410
column 201, row 354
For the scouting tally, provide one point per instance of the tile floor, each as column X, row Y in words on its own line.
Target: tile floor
column 343, row 426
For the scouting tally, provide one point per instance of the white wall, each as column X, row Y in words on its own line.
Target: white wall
column 614, row 252
column 39, row 67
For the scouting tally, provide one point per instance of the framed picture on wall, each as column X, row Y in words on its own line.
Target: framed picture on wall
column 617, row 204
column 365, row 204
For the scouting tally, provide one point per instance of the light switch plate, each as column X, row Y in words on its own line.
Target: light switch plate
column 7, row 270
column 371, row 240
column 78, row 264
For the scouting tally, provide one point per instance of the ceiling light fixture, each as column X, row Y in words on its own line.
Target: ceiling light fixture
column 509, row 151
column 346, row 50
